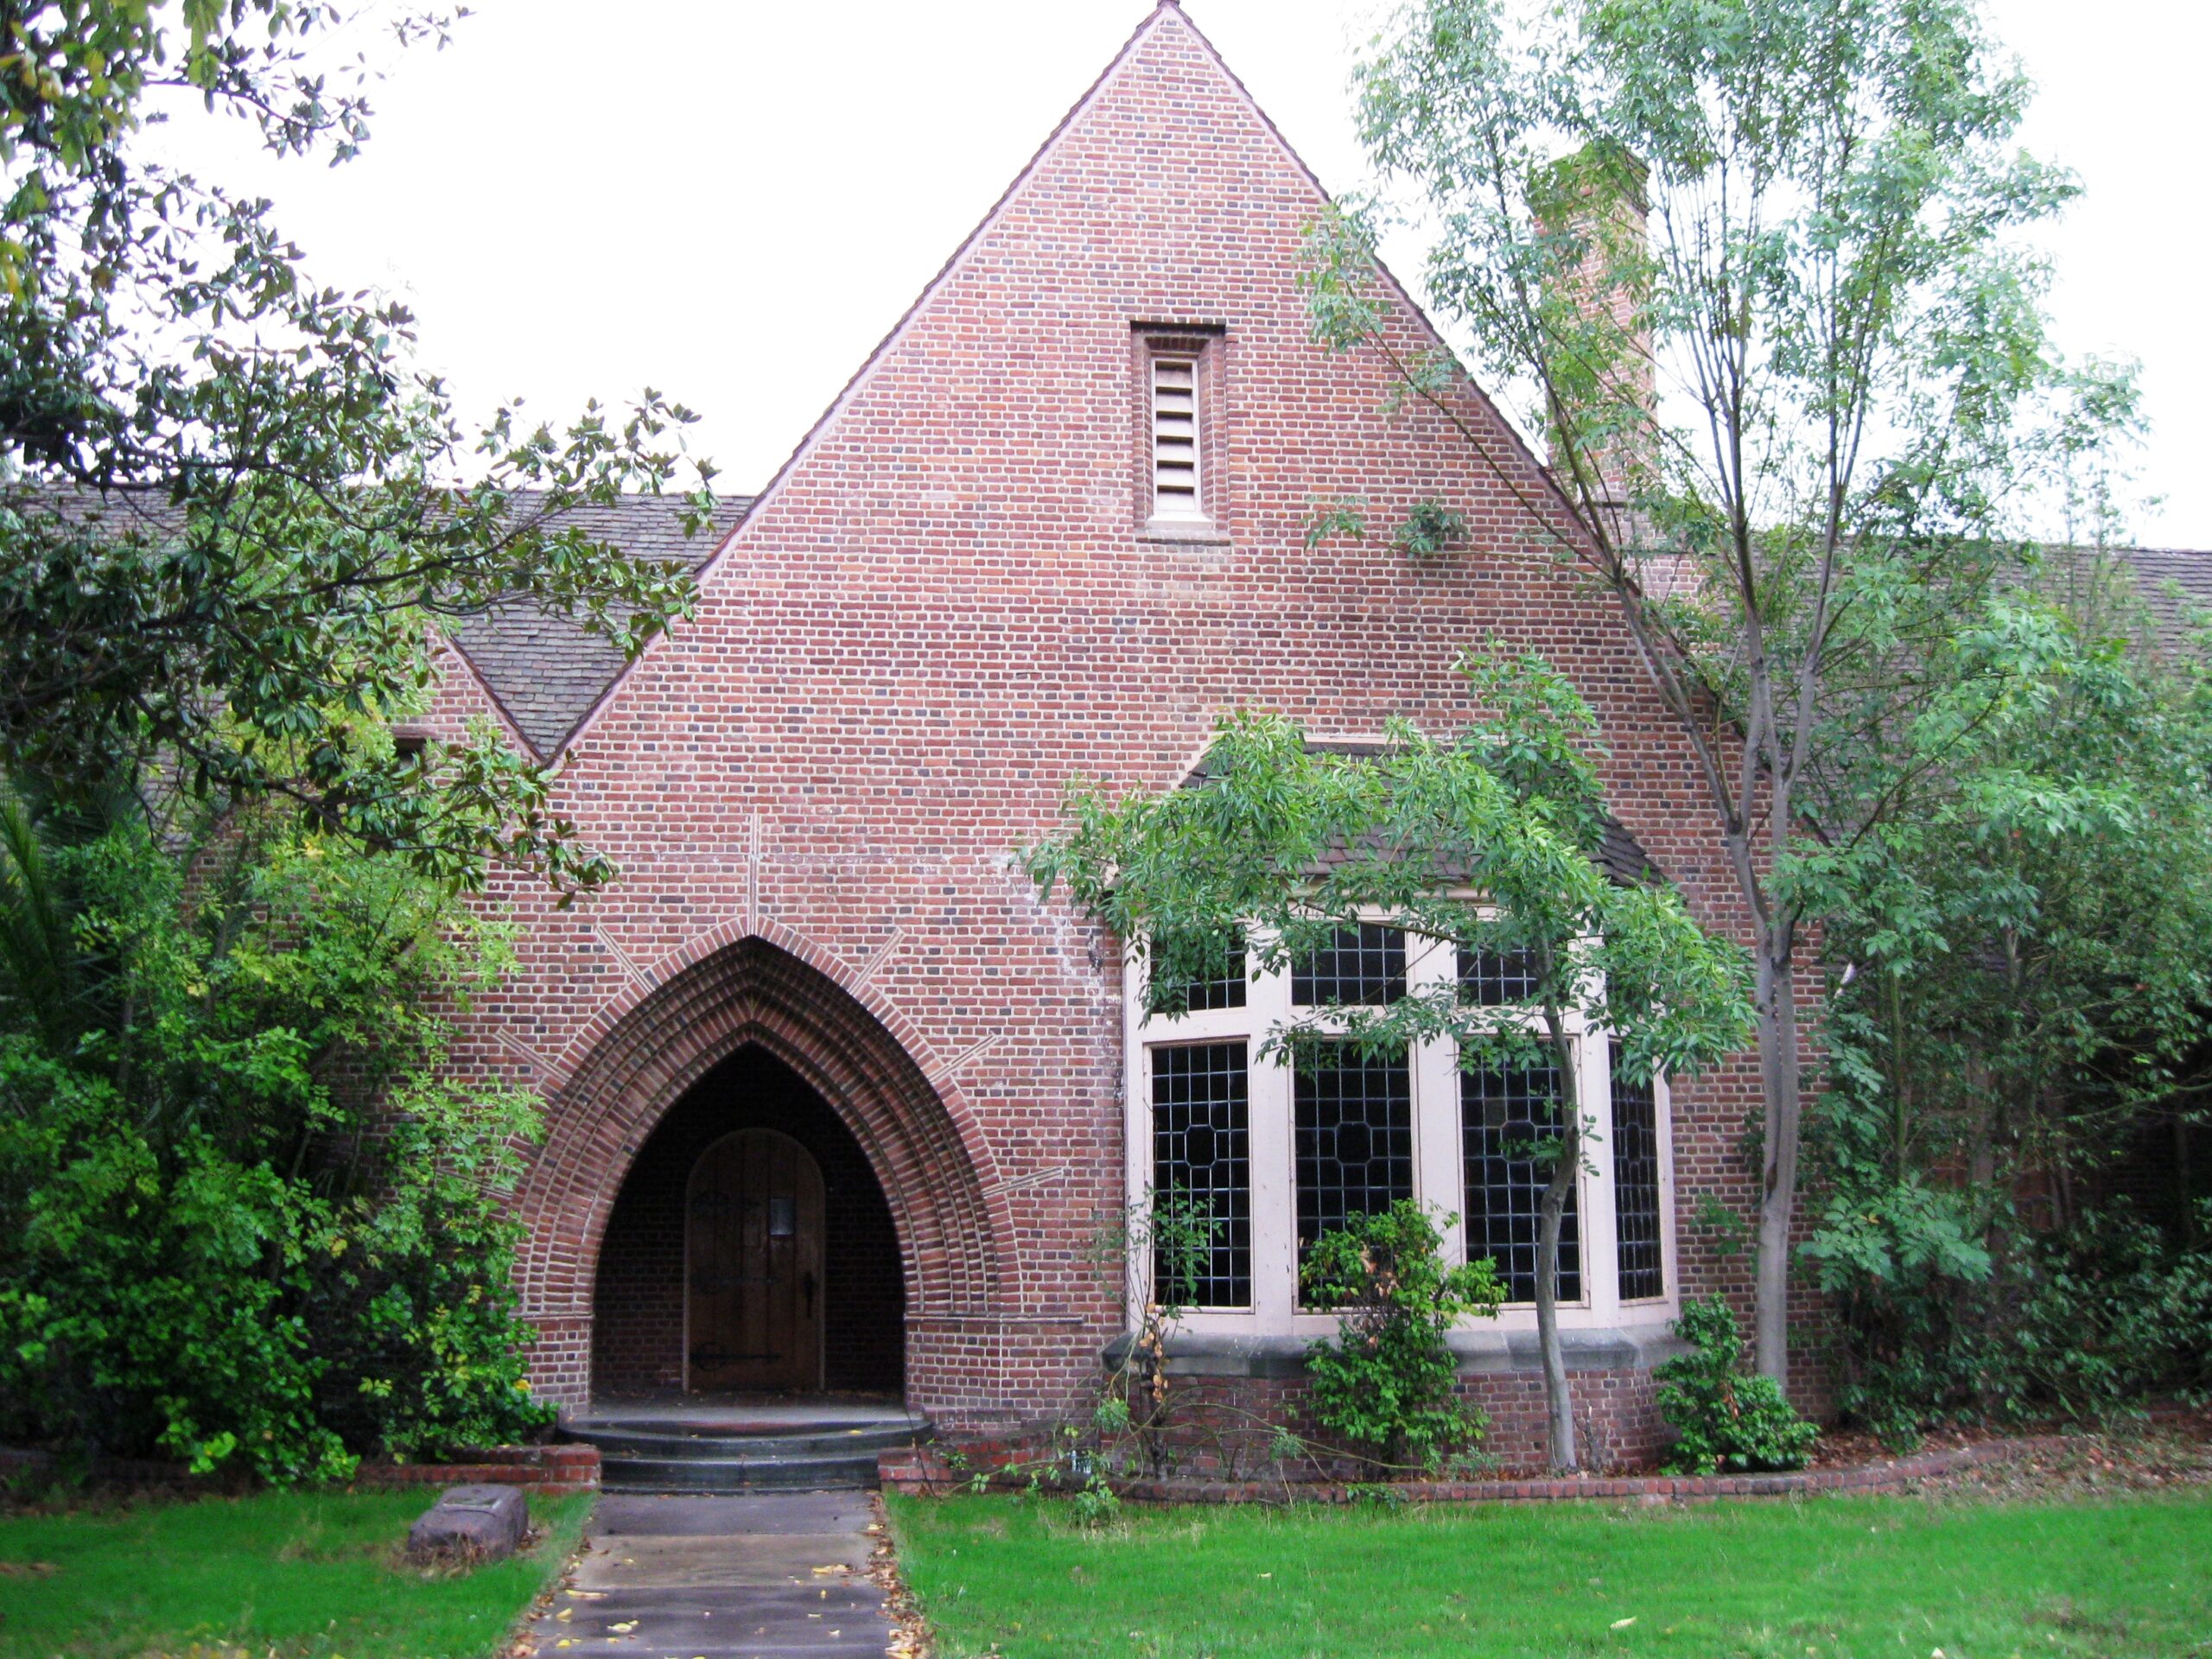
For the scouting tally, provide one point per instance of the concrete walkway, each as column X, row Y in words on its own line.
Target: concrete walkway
column 758, row 1577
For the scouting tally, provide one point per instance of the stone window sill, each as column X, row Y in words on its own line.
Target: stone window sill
column 1185, row 532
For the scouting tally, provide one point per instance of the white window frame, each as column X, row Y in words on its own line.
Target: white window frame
column 1438, row 1153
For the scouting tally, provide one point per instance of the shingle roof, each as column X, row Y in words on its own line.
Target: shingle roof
column 2175, row 584
column 546, row 669
column 1619, row 855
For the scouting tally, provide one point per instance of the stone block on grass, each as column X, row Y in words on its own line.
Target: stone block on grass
column 487, row 1522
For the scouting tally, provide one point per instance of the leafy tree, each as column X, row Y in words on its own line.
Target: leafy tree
column 1752, row 264
column 2030, row 994
column 246, row 1216
column 1289, row 847
column 230, row 509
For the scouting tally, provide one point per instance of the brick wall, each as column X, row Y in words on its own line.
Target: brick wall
column 1223, row 1427
column 943, row 609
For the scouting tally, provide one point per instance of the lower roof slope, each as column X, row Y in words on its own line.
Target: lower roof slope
column 545, row 668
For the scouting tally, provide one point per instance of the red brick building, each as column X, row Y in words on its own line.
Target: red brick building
column 824, row 1032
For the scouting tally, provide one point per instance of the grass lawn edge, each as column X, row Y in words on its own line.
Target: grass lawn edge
column 2117, row 1576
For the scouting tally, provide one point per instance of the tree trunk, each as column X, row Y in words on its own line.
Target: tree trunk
column 1559, row 1404
column 1779, row 1084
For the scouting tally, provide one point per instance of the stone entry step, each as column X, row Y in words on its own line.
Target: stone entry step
column 768, row 1575
column 671, row 1440
column 666, row 1447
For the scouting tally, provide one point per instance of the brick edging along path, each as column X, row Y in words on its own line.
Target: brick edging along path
column 552, row 1470
column 923, row 1471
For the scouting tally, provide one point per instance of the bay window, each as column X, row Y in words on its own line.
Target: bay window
column 1276, row 1154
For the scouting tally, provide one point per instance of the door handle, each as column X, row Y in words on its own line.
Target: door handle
column 806, row 1289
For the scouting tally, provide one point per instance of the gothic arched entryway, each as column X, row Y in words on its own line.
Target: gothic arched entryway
column 763, row 1025
column 750, row 1248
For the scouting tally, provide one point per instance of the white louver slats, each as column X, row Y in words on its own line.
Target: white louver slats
column 1175, row 438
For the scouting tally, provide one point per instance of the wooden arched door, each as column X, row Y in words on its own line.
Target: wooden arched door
column 752, row 1265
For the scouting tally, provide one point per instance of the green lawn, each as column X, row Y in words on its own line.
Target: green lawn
column 1828, row 1578
column 292, row 1573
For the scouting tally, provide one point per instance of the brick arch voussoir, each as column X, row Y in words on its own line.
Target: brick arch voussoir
column 764, row 985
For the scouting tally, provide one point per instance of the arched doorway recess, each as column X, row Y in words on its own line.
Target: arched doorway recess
column 948, row 1216
column 750, row 1249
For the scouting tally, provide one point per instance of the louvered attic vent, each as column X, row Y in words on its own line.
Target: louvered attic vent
column 1175, row 438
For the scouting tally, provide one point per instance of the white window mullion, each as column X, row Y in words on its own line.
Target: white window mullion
column 1439, row 1173
column 1601, row 1251
column 1274, row 1192
column 1662, row 1112
column 1136, row 1093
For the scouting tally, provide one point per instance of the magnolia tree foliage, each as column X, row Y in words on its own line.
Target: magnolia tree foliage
column 1487, row 840
column 247, row 1215
column 1755, row 268
column 231, row 508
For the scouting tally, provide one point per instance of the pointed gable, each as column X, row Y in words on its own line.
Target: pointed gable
column 1164, row 200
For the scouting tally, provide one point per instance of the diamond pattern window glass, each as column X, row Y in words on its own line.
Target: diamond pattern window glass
column 1635, row 1189
column 1503, row 1114
column 1495, row 979
column 1222, row 990
column 1365, row 967
column 1201, row 1150
column 1352, row 1132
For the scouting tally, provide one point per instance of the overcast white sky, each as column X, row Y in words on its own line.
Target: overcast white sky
column 732, row 201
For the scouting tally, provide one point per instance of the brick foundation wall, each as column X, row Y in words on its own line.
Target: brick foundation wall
column 551, row 1471
column 1222, row 1425
column 926, row 1471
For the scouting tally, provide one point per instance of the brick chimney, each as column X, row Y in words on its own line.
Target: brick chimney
column 1597, row 200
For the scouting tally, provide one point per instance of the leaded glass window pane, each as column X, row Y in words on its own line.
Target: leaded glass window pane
column 1495, row 979
column 1222, row 990
column 1365, row 967
column 1353, row 1134
column 1635, row 1189
column 1201, row 1150
column 1505, row 1113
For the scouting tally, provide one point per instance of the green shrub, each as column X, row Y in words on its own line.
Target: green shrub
column 1905, row 1272
column 247, row 1219
column 2103, row 1318
column 1725, row 1417
column 2089, row 1322
column 1384, row 1383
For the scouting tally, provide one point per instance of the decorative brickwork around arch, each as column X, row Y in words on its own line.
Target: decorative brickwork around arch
column 638, row 1060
